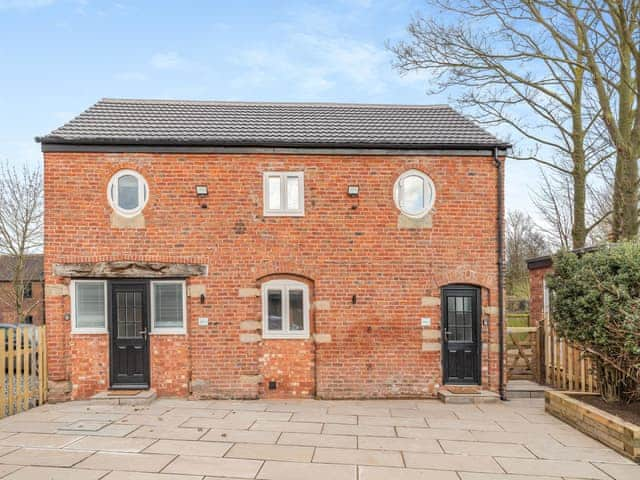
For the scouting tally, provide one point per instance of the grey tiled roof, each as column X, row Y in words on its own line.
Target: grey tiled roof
column 170, row 122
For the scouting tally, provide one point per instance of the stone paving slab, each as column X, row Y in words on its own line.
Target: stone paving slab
column 225, row 467
column 149, row 476
column 176, row 439
column 44, row 457
column 110, row 444
column 190, row 447
column 135, row 462
column 54, row 473
column 387, row 473
column 306, row 471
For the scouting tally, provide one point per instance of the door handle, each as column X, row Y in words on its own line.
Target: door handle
column 446, row 335
column 144, row 333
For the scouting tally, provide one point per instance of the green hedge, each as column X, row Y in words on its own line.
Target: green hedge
column 596, row 304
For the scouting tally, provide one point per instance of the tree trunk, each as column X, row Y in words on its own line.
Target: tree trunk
column 610, row 381
column 579, row 229
column 625, row 195
column 579, row 173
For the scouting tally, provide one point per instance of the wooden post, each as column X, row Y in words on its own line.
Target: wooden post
column 26, row 350
column 3, row 377
column 41, row 361
column 45, row 369
column 11, row 369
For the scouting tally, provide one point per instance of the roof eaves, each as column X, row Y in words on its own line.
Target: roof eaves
column 132, row 141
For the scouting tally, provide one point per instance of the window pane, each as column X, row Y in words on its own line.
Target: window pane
column 128, row 192
column 129, row 314
column 296, row 311
column 274, row 309
column 412, row 200
column 90, row 305
column 273, row 193
column 293, row 193
column 168, row 305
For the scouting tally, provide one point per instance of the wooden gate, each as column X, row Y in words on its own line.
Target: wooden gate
column 23, row 372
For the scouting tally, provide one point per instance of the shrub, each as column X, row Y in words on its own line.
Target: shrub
column 596, row 305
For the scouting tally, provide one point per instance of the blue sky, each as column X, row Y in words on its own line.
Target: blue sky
column 59, row 57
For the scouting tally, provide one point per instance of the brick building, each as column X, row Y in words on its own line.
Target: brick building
column 32, row 294
column 251, row 250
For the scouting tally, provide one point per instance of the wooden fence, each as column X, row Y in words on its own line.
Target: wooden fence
column 565, row 367
column 24, row 369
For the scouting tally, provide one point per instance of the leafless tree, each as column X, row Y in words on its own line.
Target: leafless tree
column 524, row 241
column 554, row 203
column 606, row 34
column 508, row 66
column 21, row 223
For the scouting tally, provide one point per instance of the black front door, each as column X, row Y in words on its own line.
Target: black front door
column 461, row 334
column 129, row 335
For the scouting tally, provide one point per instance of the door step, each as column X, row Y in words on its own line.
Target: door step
column 525, row 389
column 125, row 397
column 455, row 394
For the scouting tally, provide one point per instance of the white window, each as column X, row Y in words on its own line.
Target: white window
column 168, row 307
column 88, row 306
column 283, row 194
column 414, row 193
column 285, row 309
column 128, row 192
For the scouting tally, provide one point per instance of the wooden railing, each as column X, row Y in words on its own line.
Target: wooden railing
column 566, row 368
column 23, row 369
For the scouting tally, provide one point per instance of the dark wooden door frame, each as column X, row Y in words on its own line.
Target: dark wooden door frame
column 477, row 326
column 112, row 336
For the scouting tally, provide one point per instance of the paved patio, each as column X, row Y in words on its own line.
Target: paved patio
column 293, row 440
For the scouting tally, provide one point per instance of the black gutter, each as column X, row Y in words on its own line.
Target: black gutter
column 500, row 166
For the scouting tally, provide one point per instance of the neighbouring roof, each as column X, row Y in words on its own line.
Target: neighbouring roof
column 33, row 267
column 547, row 260
column 244, row 124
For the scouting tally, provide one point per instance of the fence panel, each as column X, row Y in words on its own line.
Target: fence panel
column 23, row 369
column 566, row 367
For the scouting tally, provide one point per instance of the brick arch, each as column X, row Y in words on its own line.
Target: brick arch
column 463, row 275
column 285, row 275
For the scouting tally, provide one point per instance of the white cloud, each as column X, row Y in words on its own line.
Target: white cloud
column 167, row 61
column 24, row 4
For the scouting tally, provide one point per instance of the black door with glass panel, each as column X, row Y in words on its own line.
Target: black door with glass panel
column 129, row 335
column 461, row 334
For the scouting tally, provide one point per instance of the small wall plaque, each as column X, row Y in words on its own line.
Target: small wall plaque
column 203, row 321
column 425, row 321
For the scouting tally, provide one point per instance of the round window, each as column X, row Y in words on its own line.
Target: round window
column 414, row 193
column 127, row 192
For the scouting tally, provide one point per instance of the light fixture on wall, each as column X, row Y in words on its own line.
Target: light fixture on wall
column 353, row 190
column 202, row 190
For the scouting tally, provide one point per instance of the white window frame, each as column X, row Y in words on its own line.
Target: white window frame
column 284, row 286
column 165, row 330
column 143, row 193
column 283, row 211
column 74, row 324
column 429, row 193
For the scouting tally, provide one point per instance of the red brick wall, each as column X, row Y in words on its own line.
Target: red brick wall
column 7, row 308
column 345, row 246
column 536, row 294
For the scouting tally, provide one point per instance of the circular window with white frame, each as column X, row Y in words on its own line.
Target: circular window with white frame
column 128, row 192
column 414, row 193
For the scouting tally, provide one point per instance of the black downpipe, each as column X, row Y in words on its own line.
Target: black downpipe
column 500, row 166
